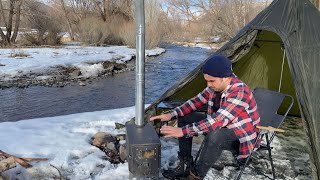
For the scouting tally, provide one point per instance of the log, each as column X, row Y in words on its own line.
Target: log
column 16, row 159
column 34, row 159
column 22, row 161
column 7, row 163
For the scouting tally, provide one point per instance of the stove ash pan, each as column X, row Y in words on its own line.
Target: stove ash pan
column 143, row 150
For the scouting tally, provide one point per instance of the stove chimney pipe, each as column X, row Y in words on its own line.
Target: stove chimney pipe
column 140, row 59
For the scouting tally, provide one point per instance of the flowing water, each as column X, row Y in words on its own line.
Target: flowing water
column 108, row 93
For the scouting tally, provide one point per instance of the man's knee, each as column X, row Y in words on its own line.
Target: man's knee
column 216, row 136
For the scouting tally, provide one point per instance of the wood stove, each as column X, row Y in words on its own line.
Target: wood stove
column 143, row 150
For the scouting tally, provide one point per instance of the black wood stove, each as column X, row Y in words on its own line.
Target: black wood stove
column 143, row 150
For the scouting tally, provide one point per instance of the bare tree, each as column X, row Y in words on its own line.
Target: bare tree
column 63, row 6
column 108, row 8
column 224, row 17
column 74, row 10
column 42, row 18
column 10, row 16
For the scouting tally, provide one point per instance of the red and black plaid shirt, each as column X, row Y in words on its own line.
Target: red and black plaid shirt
column 238, row 111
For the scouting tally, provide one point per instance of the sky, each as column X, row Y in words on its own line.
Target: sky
column 65, row 140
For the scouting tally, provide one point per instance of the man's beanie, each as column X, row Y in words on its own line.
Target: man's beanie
column 218, row 66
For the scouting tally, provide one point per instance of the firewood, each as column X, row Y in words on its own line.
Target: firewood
column 34, row 159
column 17, row 160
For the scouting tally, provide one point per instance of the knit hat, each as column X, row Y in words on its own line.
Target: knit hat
column 218, row 66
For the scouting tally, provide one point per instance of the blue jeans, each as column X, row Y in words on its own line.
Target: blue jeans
column 213, row 144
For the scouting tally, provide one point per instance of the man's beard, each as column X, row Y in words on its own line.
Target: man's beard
column 215, row 90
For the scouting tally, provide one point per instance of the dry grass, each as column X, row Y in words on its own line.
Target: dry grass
column 19, row 53
column 93, row 31
column 128, row 34
column 152, row 35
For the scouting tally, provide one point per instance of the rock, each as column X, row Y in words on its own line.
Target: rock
column 123, row 152
column 2, row 64
column 105, row 141
column 108, row 66
column 119, row 126
column 110, row 145
column 121, row 137
column 7, row 163
column 99, row 138
column 75, row 74
column 81, row 83
column 119, row 66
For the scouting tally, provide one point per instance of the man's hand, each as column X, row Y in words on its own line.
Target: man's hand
column 162, row 117
column 170, row 131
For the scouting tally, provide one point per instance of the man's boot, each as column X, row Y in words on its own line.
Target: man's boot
column 193, row 176
column 182, row 169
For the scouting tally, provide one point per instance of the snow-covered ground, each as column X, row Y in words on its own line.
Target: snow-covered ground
column 19, row 61
column 65, row 140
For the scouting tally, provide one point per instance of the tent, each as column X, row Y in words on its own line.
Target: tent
column 278, row 50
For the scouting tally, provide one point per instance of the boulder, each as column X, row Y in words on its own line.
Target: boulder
column 110, row 145
column 7, row 163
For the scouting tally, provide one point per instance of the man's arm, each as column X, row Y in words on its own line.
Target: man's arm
column 192, row 104
column 234, row 105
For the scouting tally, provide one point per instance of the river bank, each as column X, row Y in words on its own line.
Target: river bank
column 58, row 67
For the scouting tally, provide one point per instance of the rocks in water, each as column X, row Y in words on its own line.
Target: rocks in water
column 108, row 66
column 75, row 74
column 115, row 150
column 81, row 83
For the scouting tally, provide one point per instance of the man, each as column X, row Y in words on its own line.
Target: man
column 230, row 122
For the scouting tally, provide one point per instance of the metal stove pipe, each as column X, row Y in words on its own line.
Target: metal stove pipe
column 142, row 142
column 140, row 59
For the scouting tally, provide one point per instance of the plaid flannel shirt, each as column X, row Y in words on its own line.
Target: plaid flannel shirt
column 238, row 111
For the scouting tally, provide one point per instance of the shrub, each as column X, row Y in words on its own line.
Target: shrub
column 19, row 53
column 93, row 31
column 128, row 34
column 152, row 35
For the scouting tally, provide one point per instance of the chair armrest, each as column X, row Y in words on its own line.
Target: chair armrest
column 269, row 128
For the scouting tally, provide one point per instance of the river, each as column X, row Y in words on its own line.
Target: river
column 111, row 92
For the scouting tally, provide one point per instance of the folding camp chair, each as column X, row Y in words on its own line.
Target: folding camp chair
column 268, row 103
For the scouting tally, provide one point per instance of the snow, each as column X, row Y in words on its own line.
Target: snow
column 65, row 140
column 19, row 61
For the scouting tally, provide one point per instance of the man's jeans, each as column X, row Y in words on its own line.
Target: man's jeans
column 214, row 143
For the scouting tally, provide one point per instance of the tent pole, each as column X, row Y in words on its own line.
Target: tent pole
column 281, row 75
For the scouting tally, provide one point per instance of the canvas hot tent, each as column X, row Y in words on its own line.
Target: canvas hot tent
column 279, row 49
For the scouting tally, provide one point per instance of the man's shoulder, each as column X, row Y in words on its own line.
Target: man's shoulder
column 239, row 85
